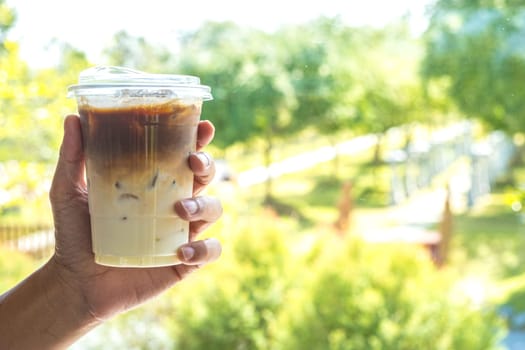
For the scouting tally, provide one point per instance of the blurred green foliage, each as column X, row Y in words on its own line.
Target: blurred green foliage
column 7, row 19
column 14, row 267
column 478, row 49
column 32, row 106
column 24, row 188
column 321, row 75
column 397, row 302
column 275, row 288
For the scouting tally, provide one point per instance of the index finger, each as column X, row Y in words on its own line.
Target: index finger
column 205, row 133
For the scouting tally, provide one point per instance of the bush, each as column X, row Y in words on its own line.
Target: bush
column 329, row 295
column 231, row 303
column 363, row 297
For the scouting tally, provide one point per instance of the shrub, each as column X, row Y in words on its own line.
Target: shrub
column 232, row 302
column 380, row 297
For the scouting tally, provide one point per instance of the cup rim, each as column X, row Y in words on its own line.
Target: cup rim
column 113, row 80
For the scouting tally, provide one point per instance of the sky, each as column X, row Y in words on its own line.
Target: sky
column 90, row 25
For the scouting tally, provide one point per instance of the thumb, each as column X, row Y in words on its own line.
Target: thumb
column 69, row 181
column 68, row 196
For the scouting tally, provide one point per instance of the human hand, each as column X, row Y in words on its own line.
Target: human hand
column 107, row 291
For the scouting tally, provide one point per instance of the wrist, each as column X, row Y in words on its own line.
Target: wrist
column 43, row 312
column 66, row 300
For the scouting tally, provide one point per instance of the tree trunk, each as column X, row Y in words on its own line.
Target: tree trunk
column 267, row 162
column 378, row 150
column 336, row 161
column 409, row 137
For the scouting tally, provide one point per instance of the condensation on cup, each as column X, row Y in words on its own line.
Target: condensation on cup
column 138, row 130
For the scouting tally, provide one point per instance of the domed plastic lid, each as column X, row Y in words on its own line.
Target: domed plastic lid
column 111, row 81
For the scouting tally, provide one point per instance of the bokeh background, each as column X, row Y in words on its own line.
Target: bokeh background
column 370, row 164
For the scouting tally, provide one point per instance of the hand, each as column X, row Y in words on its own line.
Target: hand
column 108, row 291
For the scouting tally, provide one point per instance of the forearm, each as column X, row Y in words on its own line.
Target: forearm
column 42, row 313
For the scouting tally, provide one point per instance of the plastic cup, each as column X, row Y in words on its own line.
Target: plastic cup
column 138, row 130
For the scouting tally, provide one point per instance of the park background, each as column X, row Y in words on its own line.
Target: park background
column 371, row 171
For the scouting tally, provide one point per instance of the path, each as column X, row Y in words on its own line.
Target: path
column 305, row 160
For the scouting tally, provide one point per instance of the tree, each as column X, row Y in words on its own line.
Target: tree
column 135, row 52
column 32, row 103
column 478, row 46
column 218, row 53
column 315, row 56
column 388, row 88
column 7, row 20
column 32, row 106
column 252, row 92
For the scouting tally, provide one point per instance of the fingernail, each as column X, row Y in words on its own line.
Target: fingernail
column 190, row 206
column 204, row 158
column 187, row 253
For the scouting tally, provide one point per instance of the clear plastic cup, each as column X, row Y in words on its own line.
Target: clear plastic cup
column 138, row 130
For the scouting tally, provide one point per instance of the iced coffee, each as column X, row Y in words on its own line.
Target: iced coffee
column 137, row 140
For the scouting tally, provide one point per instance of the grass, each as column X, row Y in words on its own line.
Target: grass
column 489, row 241
column 311, row 196
column 492, row 237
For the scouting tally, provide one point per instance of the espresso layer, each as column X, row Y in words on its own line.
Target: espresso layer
column 136, row 137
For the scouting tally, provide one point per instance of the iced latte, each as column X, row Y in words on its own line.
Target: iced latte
column 137, row 138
